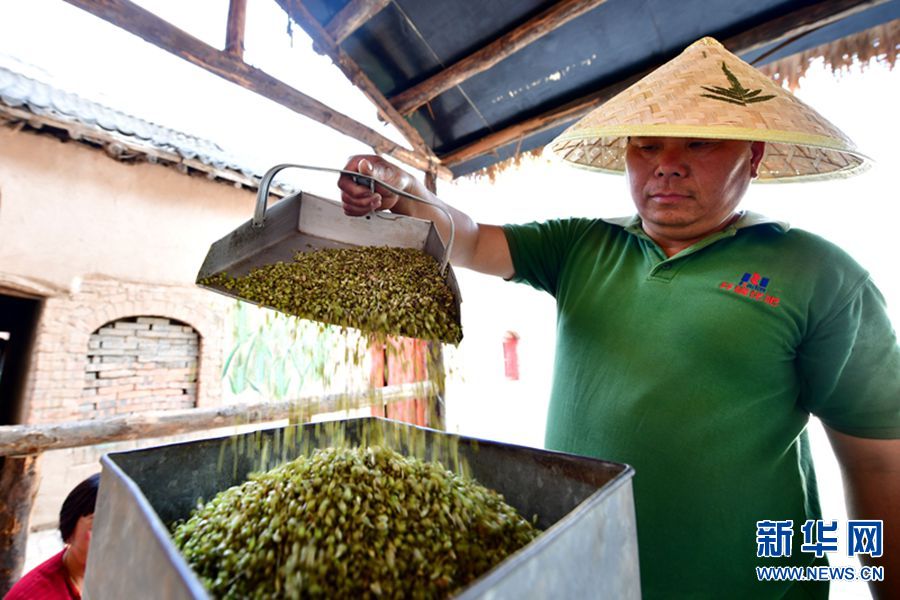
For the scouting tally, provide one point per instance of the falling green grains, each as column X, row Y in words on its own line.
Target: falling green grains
column 382, row 290
column 350, row 523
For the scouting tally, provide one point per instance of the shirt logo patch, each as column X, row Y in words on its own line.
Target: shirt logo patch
column 755, row 281
column 753, row 286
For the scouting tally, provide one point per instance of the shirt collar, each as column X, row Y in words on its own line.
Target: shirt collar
column 750, row 219
column 747, row 219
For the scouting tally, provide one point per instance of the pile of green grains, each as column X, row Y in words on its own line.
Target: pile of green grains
column 350, row 523
column 383, row 290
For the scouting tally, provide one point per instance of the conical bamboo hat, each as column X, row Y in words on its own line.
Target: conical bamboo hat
column 708, row 92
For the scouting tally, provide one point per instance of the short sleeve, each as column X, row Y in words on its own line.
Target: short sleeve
column 850, row 368
column 540, row 251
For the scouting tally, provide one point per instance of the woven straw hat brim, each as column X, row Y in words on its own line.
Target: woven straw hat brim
column 708, row 92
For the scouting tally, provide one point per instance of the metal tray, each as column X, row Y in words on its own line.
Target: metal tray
column 304, row 222
column 585, row 506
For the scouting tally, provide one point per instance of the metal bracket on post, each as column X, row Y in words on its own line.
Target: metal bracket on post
column 431, row 177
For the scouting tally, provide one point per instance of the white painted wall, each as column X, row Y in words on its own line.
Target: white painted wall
column 67, row 210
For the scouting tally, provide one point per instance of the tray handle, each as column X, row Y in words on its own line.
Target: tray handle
column 262, row 198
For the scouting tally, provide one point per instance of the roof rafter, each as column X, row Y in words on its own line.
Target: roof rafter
column 352, row 17
column 144, row 24
column 324, row 44
column 781, row 28
column 797, row 23
column 549, row 20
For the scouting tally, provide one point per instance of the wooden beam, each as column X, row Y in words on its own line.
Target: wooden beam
column 781, row 28
column 352, row 17
column 551, row 19
column 23, row 440
column 797, row 23
column 234, row 31
column 553, row 118
column 144, row 24
column 323, row 43
column 19, row 478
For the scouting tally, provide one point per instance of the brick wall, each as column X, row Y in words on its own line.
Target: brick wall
column 177, row 363
column 140, row 363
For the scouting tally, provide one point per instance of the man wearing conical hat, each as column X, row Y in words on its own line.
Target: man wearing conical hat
column 694, row 340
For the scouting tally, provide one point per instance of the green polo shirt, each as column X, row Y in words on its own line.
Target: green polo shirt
column 701, row 371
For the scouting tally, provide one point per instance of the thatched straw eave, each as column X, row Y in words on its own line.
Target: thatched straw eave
column 880, row 44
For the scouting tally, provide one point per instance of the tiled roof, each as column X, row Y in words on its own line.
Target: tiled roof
column 123, row 136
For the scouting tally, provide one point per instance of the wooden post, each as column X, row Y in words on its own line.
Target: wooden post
column 435, row 411
column 19, row 478
column 234, row 32
column 436, row 373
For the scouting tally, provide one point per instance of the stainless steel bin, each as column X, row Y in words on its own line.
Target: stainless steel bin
column 585, row 506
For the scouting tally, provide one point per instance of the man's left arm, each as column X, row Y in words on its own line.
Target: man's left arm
column 871, row 474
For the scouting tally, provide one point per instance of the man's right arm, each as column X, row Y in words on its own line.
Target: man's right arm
column 476, row 246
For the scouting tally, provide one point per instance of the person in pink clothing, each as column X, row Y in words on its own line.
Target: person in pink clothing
column 61, row 577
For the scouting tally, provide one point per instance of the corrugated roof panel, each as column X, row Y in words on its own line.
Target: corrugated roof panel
column 19, row 91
